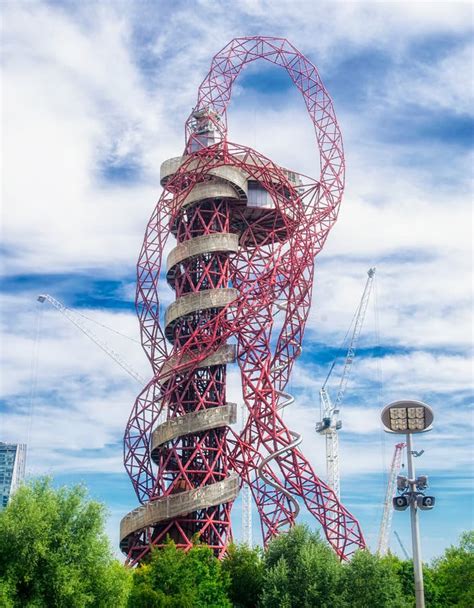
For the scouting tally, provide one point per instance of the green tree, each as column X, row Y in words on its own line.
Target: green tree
column 172, row 578
column 54, row 552
column 371, row 581
column 302, row 571
column 276, row 590
column 454, row 574
column 404, row 571
column 245, row 569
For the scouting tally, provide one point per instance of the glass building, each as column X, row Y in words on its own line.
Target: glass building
column 12, row 469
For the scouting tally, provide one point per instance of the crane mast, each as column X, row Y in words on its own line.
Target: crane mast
column 384, row 536
column 76, row 320
column 405, row 552
column 330, row 423
column 246, row 515
column 246, row 495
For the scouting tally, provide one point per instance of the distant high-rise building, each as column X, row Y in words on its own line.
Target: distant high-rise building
column 12, row 469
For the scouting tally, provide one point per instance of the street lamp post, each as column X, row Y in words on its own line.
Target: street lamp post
column 415, row 531
column 409, row 417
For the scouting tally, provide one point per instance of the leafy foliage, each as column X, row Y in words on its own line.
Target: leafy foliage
column 174, row 579
column 454, row 574
column 54, row 552
column 404, row 571
column 369, row 580
column 245, row 568
column 302, row 571
column 276, row 591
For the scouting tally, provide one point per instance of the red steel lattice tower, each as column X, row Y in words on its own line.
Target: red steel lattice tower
column 247, row 233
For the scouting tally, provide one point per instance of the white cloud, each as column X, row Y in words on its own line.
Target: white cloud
column 73, row 100
column 422, row 372
column 74, row 397
column 333, row 27
column 446, row 85
column 77, row 94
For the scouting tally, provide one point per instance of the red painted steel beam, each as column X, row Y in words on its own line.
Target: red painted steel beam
column 272, row 273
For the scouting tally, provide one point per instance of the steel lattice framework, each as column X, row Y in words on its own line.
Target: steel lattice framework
column 242, row 272
column 386, row 524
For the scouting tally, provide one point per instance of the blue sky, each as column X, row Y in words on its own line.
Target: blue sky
column 95, row 98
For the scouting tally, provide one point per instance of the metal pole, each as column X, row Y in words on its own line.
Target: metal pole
column 415, row 530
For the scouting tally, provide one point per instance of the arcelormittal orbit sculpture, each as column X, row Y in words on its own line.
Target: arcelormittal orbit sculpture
column 247, row 232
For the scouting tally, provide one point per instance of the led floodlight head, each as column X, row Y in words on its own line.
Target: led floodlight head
column 407, row 417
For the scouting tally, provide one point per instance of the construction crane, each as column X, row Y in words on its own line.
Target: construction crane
column 76, row 320
column 405, row 552
column 246, row 515
column 330, row 422
column 246, row 495
column 385, row 526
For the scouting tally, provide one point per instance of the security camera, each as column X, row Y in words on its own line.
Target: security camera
column 422, row 482
column 400, row 503
column 402, row 482
column 425, row 503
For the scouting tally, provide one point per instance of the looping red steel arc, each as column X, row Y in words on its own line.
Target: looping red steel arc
column 242, row 272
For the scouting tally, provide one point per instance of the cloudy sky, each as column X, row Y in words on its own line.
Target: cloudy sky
column 95, row 95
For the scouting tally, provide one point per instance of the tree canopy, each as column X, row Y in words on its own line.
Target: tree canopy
column 454, row 574
column 246, row 570
column 54, row 551
column 54, row 554
column 174, row 579
column 368, row 580
column 302, row 571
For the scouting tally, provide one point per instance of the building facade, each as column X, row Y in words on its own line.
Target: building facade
column 12, row 469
